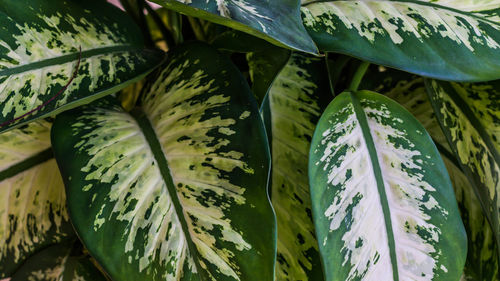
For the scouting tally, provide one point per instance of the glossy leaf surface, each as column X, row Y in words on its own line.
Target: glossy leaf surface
column 381, row 195
column 294, row 104
column 450, row 40
column 181, row 182
column 91, row 47
column 278, row 22
column 32, row 200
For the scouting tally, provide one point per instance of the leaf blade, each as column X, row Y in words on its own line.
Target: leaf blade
column 40, row 51
column 414, row 36
column 347, row 211
column 33, row 210
column 195, row 115
column 472, row 109
column 277, row 22
column 291, row 110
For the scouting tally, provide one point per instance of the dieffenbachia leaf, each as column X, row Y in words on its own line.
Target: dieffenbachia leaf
column 32, row 201
column 177, row 190
column 263, row 67
column 383, row 204
column 482, row 255
column 92, row 47
column 278, row 22
column 293, row 106
column 449, row 40
column 470, row 117
column 409, row 91
column 58, row 262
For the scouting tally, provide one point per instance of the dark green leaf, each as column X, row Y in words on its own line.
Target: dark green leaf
column 449, row 40
column 275, row 21
column 58, row 263
column 177, row 190
column 40, row 43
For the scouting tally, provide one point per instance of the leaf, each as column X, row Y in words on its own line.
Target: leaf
column 275, row 21
column 470, row 117
column 57, row 263
column 482, row 258
column 40, row 54
column 449, row 40
column 33, row 205
column 236, row 41
column 182, row 181
column 264, row 67
column 381, row 195
column 409, row 90
column 293, row 106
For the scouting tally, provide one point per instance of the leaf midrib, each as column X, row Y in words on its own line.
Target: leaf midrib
column 370, row 145
column 151, row 137
column 429, row 4
column 27, row 164
column 67, row 58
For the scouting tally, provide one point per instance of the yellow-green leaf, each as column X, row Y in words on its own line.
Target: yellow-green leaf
column 33, row 211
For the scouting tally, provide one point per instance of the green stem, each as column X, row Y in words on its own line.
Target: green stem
column 334, row 69
column 143, row 24
column 167, row 36
column 358, row 76
column 197, row 29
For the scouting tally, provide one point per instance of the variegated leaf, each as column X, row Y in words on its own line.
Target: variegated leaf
column 445, row 39
column 482, row 256
column 278, row 22
column 177, row 189
column 409, row 90
column 383, row 204
column 32, row 201
column 60, row 262
column 91, row 46
column 294, row 104
column 470, row 117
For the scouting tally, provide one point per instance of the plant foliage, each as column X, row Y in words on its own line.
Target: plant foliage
column 249, row 140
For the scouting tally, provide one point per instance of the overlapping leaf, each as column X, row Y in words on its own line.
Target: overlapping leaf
column 59, row 262
column 177, row 190
column 409, row 91
column 450, row 40
column 264, row 66
column 294, row 104
column 275, row 21
column 381, row 195
column 94, row 48
column 470, row 117
column 32, row 200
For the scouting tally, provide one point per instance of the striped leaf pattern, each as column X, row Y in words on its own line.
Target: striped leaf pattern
column 295, row 102
column 409, row 91
column 423, row 37
column 381, row 195
column 93, row 48
column 278, row 22
column 32, row 200
column 470, row 117
column 177, row 189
